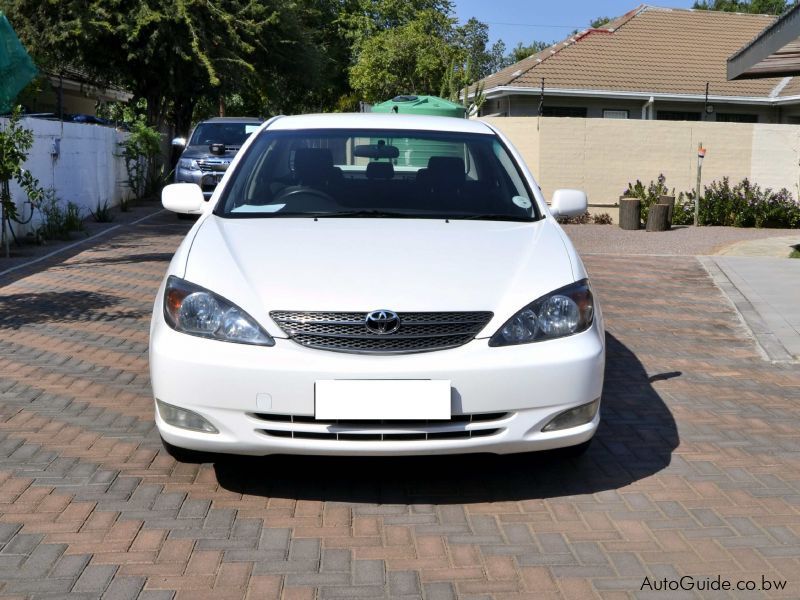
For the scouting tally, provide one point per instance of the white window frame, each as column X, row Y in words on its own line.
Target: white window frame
column 614, row 113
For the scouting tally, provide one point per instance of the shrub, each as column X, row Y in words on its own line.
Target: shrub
column 579, row 220
column 747, row 205
column 742, row 205
column 141, row 151
column 603, row 219
column 683, row 213
column 648, row 195
column 586, row 218
column 58, row 222
column 102, row 214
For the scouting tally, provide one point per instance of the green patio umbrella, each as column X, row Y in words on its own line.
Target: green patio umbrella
column 16, row 67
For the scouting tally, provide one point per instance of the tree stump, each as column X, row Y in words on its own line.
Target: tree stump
column 669, row 201
column 629, row 213
column 657, row 217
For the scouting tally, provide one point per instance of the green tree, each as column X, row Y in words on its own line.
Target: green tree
column 470, row 39
column 520, row 51
column 172, row 53
column 15, row 142
column 360, row 20
column 599, row 22
column 411, row 58
column 497, row 57
column 762, row 7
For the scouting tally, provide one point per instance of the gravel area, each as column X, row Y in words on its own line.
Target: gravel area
column 685, row 241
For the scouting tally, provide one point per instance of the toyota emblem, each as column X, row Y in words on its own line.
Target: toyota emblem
column 382, row 322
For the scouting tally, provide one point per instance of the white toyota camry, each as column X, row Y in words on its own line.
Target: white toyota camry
column 376, row 285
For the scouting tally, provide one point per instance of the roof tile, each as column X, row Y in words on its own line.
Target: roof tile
column 650, row 50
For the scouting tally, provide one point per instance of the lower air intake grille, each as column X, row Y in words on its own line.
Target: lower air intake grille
column 377, row 437
column 308, row 428
column 347, row 331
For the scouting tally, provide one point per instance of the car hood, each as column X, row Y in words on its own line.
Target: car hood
column 356, row 265
column 196, row 152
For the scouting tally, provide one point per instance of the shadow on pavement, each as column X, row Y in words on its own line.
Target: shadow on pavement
column 126, row 236
column 635, row 440
column 133, row 258
column 18, row 310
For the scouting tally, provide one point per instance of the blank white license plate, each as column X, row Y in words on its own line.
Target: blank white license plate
column 391, row 399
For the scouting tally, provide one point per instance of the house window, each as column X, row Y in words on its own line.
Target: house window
column 615, row 114
column 677, row 115
column 736, row 118
column 564, row 111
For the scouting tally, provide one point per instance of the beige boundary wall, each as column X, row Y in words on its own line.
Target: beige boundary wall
column 601, row 156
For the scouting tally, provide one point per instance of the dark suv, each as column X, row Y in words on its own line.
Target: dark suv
column 210, row 150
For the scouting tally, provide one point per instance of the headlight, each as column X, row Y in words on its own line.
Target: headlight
column 188, row 163
column 188, row 308
column 563, row 312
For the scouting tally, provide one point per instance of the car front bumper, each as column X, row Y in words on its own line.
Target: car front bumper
column 206, row 180
column 261, row 399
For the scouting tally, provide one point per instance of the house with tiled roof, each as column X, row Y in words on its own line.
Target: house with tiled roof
column 651, row 63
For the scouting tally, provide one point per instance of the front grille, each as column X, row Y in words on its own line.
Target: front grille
column 460, row 427
column 210, row 165
column 347, row 331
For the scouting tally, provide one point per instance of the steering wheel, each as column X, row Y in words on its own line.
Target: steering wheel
column 287, row 193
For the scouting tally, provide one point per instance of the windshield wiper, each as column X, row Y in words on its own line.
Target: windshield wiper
column 355, row 214
column 490, row 217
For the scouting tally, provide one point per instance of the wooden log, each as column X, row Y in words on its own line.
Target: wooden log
column 657, row 217
column 629, row 213
column 669, row 201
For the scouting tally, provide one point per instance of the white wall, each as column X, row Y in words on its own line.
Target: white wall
column 86, row 171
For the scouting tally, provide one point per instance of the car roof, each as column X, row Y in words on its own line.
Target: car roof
column 233, row 120
column 380, row 121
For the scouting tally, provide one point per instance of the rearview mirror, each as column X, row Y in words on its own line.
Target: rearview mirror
column 179, row 141
column 184, row 198
column 569, row 203
column 379, row 150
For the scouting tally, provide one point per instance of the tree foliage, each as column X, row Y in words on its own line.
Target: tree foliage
column 172, row 53
column 190, row 59
column 520, row 51
column 599, row 22
column 761, row 7
column 410, row 58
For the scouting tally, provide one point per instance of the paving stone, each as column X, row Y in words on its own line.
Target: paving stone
column 693, row 470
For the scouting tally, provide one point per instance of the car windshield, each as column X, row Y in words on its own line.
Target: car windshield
column 377, row 173
column 228, row 133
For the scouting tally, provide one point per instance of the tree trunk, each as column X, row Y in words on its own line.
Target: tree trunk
column 629, row 213
column 669, row 201
column 657, row 217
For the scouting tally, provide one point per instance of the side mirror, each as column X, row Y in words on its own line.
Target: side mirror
column 179, row 142
column 569, row 203
column 184, row 198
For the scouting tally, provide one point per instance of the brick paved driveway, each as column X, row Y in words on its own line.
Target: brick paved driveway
column 695, row 471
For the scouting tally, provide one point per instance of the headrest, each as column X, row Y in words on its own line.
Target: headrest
column 313, row 163
column 448, row 168
column 380, row 170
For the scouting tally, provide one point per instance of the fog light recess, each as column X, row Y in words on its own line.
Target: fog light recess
column 580, row 415
column 185, row 419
